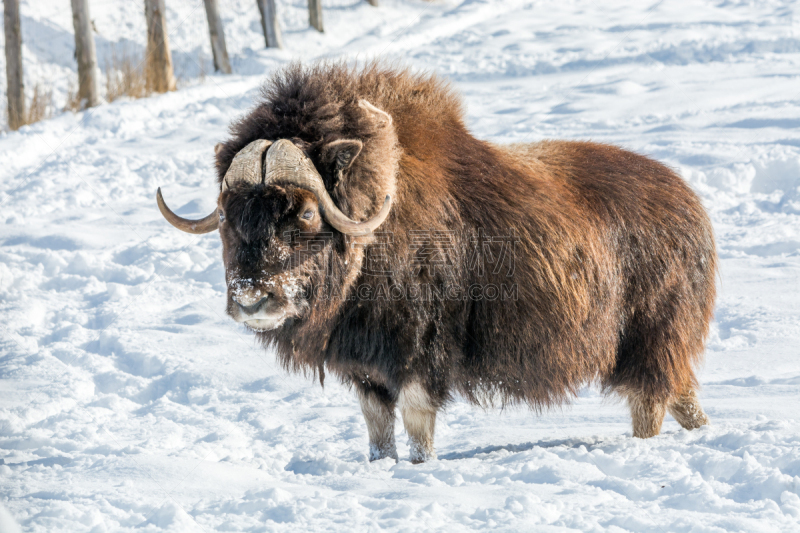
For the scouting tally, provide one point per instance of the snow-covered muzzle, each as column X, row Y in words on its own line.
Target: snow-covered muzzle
column 265, row 304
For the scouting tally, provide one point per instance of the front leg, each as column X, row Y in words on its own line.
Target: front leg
column 379, row 413
column 419, row 419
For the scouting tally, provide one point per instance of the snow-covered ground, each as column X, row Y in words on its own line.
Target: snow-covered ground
column 129, row 402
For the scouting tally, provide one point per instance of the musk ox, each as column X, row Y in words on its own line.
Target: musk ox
column 366, row 233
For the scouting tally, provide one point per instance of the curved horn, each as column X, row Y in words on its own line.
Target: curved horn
column 246, row 165
column 286, row 163
column 204, row 225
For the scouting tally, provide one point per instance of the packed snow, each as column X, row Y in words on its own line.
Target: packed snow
column 128, row 401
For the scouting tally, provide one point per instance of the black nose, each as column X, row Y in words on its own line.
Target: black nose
column 252, row 309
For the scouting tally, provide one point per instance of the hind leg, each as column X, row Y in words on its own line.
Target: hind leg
column 654, row 371
column 686, row 409
column 647, row 414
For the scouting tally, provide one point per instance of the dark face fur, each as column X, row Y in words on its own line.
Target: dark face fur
column 272, row 237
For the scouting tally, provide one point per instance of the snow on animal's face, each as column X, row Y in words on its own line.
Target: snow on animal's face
column 273, row 238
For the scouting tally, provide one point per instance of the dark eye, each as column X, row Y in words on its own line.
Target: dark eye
column 221, row 216
column 308, row 215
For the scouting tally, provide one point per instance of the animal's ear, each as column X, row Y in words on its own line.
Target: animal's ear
column 379, row 116
column 217, row 148
column 339, row 155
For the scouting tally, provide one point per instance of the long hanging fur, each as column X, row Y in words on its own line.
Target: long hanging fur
column 612, row 275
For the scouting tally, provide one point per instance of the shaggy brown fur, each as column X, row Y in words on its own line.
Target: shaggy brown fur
column 613, row 254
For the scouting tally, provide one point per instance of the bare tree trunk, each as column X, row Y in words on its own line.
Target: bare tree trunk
column 215, row 29
column 269, row 23
column 85, row 54
column 373, row 3
column 15, row 89
column 158, row 69
column 315, row 14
